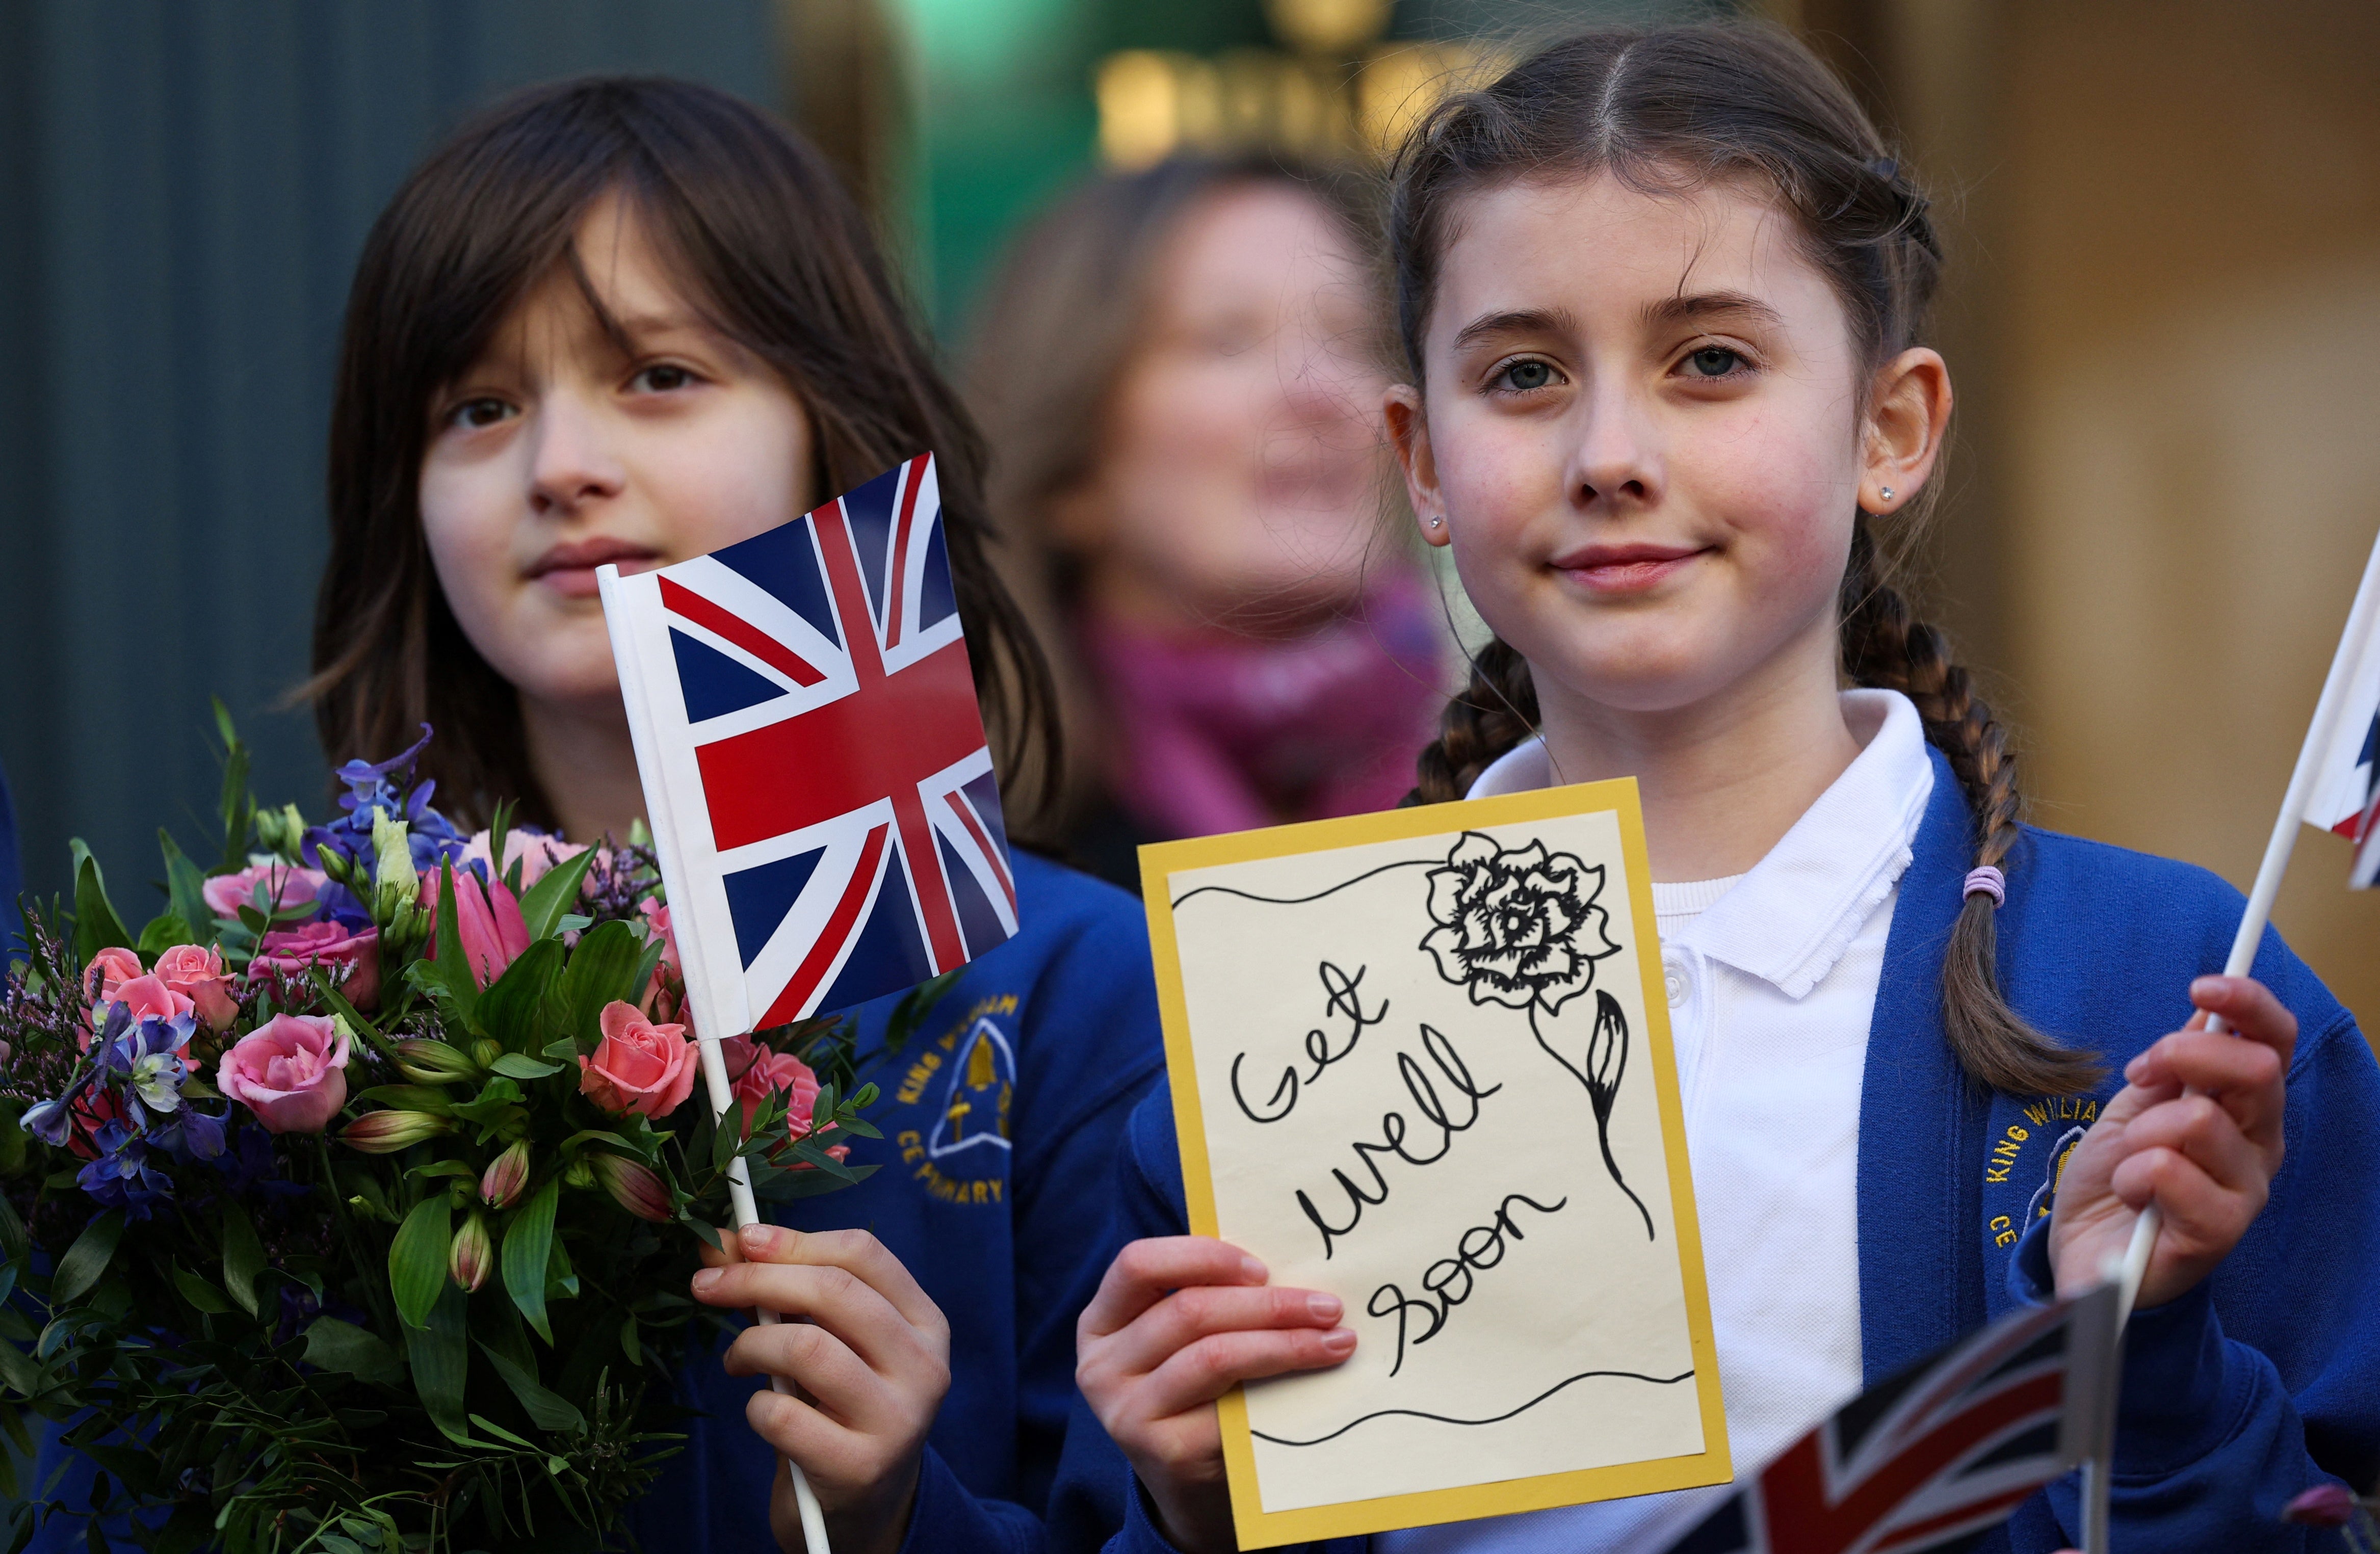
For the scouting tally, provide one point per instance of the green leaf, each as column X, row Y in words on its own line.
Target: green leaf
column 18, row 1371
column 411, row 1098
column 198, row 1292
column 185, row 886
column 96, row 925
column 487, row 1108
column 332, row 1344
column 915, row 1005
column 243, row 1253
column 547, row 1411
column 602, row 969
column 795, row 1185
column 517, row 1065
column 518, row 1007
column 416, row 1259
column 528, row 1241
column 547, row 900
column 13, row 1239
column 441, row 1353
column 88, row 1258
column 451, row 970
column 630, row 1343
column 237, row 807
column 163, row 933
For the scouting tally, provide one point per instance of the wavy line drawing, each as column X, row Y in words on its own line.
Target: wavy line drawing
column 1301, row 900
column 1444, row 1419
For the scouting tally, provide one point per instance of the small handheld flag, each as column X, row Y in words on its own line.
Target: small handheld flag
column 1948, row 1448
column 2346, row 774
column 815, row 776
column 814, row 760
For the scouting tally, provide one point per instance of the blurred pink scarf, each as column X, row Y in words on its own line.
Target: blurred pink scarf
column 1229, row 733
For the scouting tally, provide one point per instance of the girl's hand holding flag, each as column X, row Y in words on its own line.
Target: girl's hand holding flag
column 2196, row 1130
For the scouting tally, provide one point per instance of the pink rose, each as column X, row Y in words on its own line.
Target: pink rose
column 147, row 997
column 199, row 976
column 737, row 1053
column 285, row 885
column 535, row 852
column 656, row 922
column 486, row 916
column 775, row 1072
column 639, row 1067
column 289, row 952
column 291, row 1073
column 109, row 970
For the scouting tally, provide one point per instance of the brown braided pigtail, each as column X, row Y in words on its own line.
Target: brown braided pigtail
column 1495, row 711
column 1884, row 645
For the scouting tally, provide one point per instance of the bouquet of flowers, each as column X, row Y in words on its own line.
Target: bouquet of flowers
column 351, row 1203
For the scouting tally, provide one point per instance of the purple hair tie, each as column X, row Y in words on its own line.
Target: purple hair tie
column 1988, row 880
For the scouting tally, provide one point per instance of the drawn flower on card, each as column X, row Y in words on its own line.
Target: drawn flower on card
column 1517, row 925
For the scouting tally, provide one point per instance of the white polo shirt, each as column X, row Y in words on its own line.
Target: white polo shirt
column 1772, row 978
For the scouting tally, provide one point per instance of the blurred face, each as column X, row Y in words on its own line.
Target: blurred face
column 1238, row 483
column 1643, row 437
column 560, row 450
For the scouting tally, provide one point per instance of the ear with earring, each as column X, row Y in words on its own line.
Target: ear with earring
column 1885, row 491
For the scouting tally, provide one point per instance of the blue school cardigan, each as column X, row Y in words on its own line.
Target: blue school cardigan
column 1001, row 1117
column 2260, row 1383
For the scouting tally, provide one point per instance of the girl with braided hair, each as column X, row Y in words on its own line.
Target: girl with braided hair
column 1666, row 397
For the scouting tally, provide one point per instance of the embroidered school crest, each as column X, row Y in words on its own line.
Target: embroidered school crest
column 2027, row 1156
column 950, row 1108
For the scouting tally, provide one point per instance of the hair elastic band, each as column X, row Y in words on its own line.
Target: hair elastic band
column 1990, row 882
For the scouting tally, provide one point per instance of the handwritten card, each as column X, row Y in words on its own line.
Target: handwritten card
column 1421, row 1059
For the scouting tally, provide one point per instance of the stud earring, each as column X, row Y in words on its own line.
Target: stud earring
column 1438, row 523
column 1887, row 493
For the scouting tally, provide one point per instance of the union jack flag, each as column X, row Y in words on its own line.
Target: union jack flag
column 1946, row 1450
column 814, row 759
column 2345, row 793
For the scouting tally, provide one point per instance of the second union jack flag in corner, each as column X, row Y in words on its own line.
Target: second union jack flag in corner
column 826, row 811
column 1931, row 1460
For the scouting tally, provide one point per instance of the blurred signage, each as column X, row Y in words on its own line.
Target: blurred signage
column 1335, row 92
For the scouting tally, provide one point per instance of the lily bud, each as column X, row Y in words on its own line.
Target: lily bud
column 473, row 1254
column 486, row 1053
column 384, row 1133
column 506, row 1177
column 2325, row 1505
column 396, row 885
column 282, row 831
column 632, row 1186
column 427, row 1061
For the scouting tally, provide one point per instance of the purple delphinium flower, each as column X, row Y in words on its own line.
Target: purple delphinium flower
column 122, row 1176
column 430, row 834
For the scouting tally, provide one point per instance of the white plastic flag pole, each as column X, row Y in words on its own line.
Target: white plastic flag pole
column 712, row 1018
column 2362, row 621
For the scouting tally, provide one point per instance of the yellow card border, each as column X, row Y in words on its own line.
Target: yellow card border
column 1257, row 1528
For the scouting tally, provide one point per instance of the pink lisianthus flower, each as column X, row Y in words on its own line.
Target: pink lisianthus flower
column 199, row 974
column 288, row 952
column 535, row 852
column 291, row 1073
column 110, row 969
column 639, row 1067
column 773, row 1072
column 285, row 885
column 487, row 918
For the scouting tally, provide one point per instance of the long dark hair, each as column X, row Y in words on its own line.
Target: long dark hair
column 1670, row 109
column 771, row 248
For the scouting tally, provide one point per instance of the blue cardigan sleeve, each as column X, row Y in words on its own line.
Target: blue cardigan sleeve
column 2260, row 1383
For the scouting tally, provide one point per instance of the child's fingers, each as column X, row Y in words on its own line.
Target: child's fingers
column 2251, row 1010
column 1199, row 1311
column 1145, row 1271
column 726, row 1252
column 832, row 1297
column 819, row 1362
column 856, row 1252
column 2244, row 1075
column 801, row 1433
column 1206, row 1369
column 2201, row 1134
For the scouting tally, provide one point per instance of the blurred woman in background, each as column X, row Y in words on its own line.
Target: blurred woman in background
column 1177, row 374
